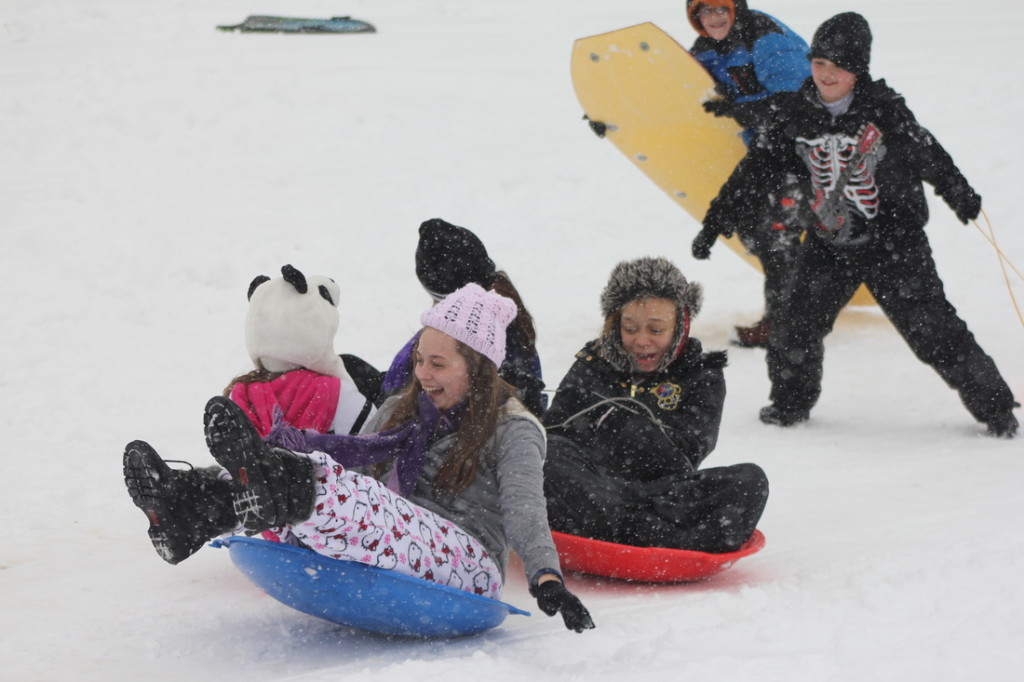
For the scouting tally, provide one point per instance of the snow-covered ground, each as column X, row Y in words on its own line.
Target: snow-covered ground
column 150, row 166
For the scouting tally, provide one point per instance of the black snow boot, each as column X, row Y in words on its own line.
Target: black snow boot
column 754, row 336
column 779, row 416
column 271, row 486
column 1002, row 426
column 185, row 508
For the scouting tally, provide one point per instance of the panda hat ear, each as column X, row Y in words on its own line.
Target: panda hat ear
column 291, row 324
column 295, row 278
column 257, row 280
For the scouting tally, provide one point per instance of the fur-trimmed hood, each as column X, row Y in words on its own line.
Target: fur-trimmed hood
column 646, row 278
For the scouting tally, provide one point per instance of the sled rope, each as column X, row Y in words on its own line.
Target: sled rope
column 1004, row 261
column 603, row 401
column 624, row 403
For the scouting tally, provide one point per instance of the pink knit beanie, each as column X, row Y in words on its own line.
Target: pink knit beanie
column 476, row 317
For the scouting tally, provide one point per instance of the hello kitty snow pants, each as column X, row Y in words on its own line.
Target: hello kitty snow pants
column 358, row 518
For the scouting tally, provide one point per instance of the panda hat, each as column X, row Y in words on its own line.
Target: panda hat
column 292, row 321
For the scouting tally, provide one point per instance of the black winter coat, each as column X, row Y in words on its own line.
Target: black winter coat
column 645, row 427
column 885, row 199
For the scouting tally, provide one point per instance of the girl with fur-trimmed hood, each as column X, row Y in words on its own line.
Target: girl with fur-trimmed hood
column 633, row 419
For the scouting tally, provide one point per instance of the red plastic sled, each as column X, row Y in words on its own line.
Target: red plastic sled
column 646, row 564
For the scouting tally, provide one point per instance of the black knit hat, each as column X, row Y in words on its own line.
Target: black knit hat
column 449, row 257
column 845, row 40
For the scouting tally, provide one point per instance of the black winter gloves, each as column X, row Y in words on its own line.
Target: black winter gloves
column 747, row 114
column 552, row 597
column 962, row 198
column 716, row 222
column 598, row 127
column 702, row 244
column 719, row 107
column 968, row 207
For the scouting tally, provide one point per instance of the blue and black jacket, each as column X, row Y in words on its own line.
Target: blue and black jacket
column 759, row 58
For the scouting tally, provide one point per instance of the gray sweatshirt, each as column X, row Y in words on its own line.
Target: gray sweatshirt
column 504, row 506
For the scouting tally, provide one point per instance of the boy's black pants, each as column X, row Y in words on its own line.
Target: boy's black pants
column 907, row 287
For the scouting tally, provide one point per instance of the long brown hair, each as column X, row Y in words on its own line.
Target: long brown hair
column 486, row 394
column 523, row 330
column 258, row 375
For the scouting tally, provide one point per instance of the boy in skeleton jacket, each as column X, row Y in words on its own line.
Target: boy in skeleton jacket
column 844, row 132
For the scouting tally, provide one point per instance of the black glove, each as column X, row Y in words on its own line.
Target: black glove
column 598, row 127
column 719, row 107
column 968, row 207
column 702, row 244
column 552, row 597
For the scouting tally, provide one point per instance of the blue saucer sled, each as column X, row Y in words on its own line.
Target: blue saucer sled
column 362, row 596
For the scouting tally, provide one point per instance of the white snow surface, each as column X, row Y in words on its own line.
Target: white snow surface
column 151, row 166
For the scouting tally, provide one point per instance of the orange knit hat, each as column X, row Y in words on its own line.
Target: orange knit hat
column 694, row 9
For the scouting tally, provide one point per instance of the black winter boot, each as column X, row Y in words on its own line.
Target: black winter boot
column 778, row 416
column 186, row 509
column 271, row 486
column 754, row 336
column 1002, row 426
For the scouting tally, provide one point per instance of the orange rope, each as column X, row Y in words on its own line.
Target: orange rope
column 1003, row 262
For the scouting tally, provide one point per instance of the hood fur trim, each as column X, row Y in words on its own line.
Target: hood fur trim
column 646, row 278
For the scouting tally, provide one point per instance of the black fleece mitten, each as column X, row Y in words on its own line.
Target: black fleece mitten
column 968, row 206
column 719, row 107
column 702, row 244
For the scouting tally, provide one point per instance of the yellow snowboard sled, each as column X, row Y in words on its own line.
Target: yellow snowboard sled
column 649, row 91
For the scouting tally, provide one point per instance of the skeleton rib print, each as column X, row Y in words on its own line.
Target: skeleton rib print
column 827, row 156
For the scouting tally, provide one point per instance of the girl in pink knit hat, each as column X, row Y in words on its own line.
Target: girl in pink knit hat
column 447, row 258
column 457, row 472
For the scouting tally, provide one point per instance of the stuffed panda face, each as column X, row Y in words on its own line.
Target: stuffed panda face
column 292, row 321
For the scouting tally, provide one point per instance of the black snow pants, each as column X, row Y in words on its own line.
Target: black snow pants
column 776, row 246
column 710, row 510
column 907, row 288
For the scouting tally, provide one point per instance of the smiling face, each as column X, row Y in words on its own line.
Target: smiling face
column 440, row 368
column 647, row 327
column 832, row 81
column 717, row 21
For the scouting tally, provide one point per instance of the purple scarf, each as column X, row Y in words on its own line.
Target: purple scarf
column 407, row 443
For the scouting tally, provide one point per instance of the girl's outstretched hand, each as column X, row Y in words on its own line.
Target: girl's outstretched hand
column 552, row 597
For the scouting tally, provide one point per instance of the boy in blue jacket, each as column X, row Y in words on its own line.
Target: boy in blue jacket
column 752, row 56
